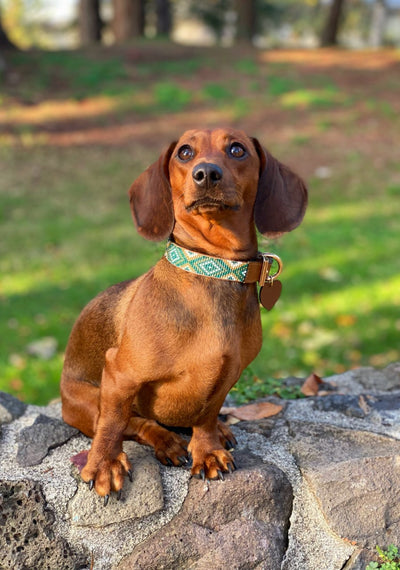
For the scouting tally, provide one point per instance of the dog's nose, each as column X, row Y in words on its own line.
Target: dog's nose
column 207, row 174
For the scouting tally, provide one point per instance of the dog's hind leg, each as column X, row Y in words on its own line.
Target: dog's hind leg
column 80, row 404
column 169, row 447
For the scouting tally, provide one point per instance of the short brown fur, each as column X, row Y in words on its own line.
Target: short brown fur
column 167, row 348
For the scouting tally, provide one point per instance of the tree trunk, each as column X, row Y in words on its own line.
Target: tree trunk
column 5, row 42
column 128, row 19
column 378, row 23
column 246, row 20
column 331, row 29
column 164, row 17
column 90, row 23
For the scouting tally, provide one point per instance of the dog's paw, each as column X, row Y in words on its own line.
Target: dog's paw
column 107, row 475
column 213, row 465
column 171, row 449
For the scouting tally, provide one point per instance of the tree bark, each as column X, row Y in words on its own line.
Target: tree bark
column 164, row 17
column 246, row 20
column 128, row 19
column 90, row 23
column 332, row 24
column 378, row 23
column 5, row 42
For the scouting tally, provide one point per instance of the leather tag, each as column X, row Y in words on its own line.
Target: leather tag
column 270, row 293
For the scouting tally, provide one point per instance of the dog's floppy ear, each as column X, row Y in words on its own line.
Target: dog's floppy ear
column 281, row 198
column 151, row 200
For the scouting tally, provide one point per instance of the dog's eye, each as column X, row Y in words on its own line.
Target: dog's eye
column 237, row 150
column 185, row 152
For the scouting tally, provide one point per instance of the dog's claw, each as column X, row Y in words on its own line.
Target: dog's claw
column 230, row 468
column 119, row 495
column 130, row 475
column 202, row 474
column 91, row 484
column 106, row 498
column 169, row 462
column 182, row 459
column 220, row 475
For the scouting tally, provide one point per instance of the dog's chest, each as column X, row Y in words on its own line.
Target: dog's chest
column 222, row 307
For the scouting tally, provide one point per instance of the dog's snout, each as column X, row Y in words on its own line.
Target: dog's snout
column 207, row 174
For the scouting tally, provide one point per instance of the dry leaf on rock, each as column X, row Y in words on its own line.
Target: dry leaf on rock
column 311, row 385
column 80, row 459
column 255, row 411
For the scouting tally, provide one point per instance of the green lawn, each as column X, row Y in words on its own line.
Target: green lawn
column 76, row 129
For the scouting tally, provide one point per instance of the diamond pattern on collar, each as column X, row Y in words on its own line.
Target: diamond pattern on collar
column 206, row 265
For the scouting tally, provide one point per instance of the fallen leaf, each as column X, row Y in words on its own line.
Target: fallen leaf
column 80, row 459
column 311, row 385
column 231, row 420
column 362, row 402
column 255, row 411
column 346, row 320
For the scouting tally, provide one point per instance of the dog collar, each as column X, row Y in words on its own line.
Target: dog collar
column 227, row 269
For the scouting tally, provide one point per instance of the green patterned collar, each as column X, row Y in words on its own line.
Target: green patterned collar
column 208, row 266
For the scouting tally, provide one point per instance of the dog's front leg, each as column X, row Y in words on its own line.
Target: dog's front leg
column 107, row 464
column 210, row 459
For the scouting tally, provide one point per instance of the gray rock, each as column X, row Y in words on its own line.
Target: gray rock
column 240, row 523
column 361, row 558
column 35, row 441
column 386, row 406
column 352, row 406
column 27, row 538
column 10, row 408
column 384, row 380
column 318, row 486
column 355, row 477
column 367, row 379
column 140, row 498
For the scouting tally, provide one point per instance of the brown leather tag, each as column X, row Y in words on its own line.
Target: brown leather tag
column 270, row 293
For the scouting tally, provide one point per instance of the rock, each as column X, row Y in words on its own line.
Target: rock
column 318, row 486
column 355, row 477
column 10, row 408
column 384, row 380
column 28, row 538
column 35, row 441
column 241, row 522
column 140, row 498
column 386, row 407
column 367, row 379
column 353, row 406
column 361, row 559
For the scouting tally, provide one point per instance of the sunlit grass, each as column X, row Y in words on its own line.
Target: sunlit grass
column 64, row 110
column 313, row 97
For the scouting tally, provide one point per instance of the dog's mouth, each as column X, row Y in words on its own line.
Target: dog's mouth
column 208, row 204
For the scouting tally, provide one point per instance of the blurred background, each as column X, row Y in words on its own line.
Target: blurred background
column 91, row 91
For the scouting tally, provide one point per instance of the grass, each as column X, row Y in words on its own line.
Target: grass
column 66, row 230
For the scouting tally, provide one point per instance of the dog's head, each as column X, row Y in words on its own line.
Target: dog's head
column 215, row 175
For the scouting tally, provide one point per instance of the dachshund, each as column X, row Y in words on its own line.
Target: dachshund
column 164, row 349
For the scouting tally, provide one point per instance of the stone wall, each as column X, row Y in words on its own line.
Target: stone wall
column 318, row 487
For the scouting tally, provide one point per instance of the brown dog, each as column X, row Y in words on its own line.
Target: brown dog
column 168, row 346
